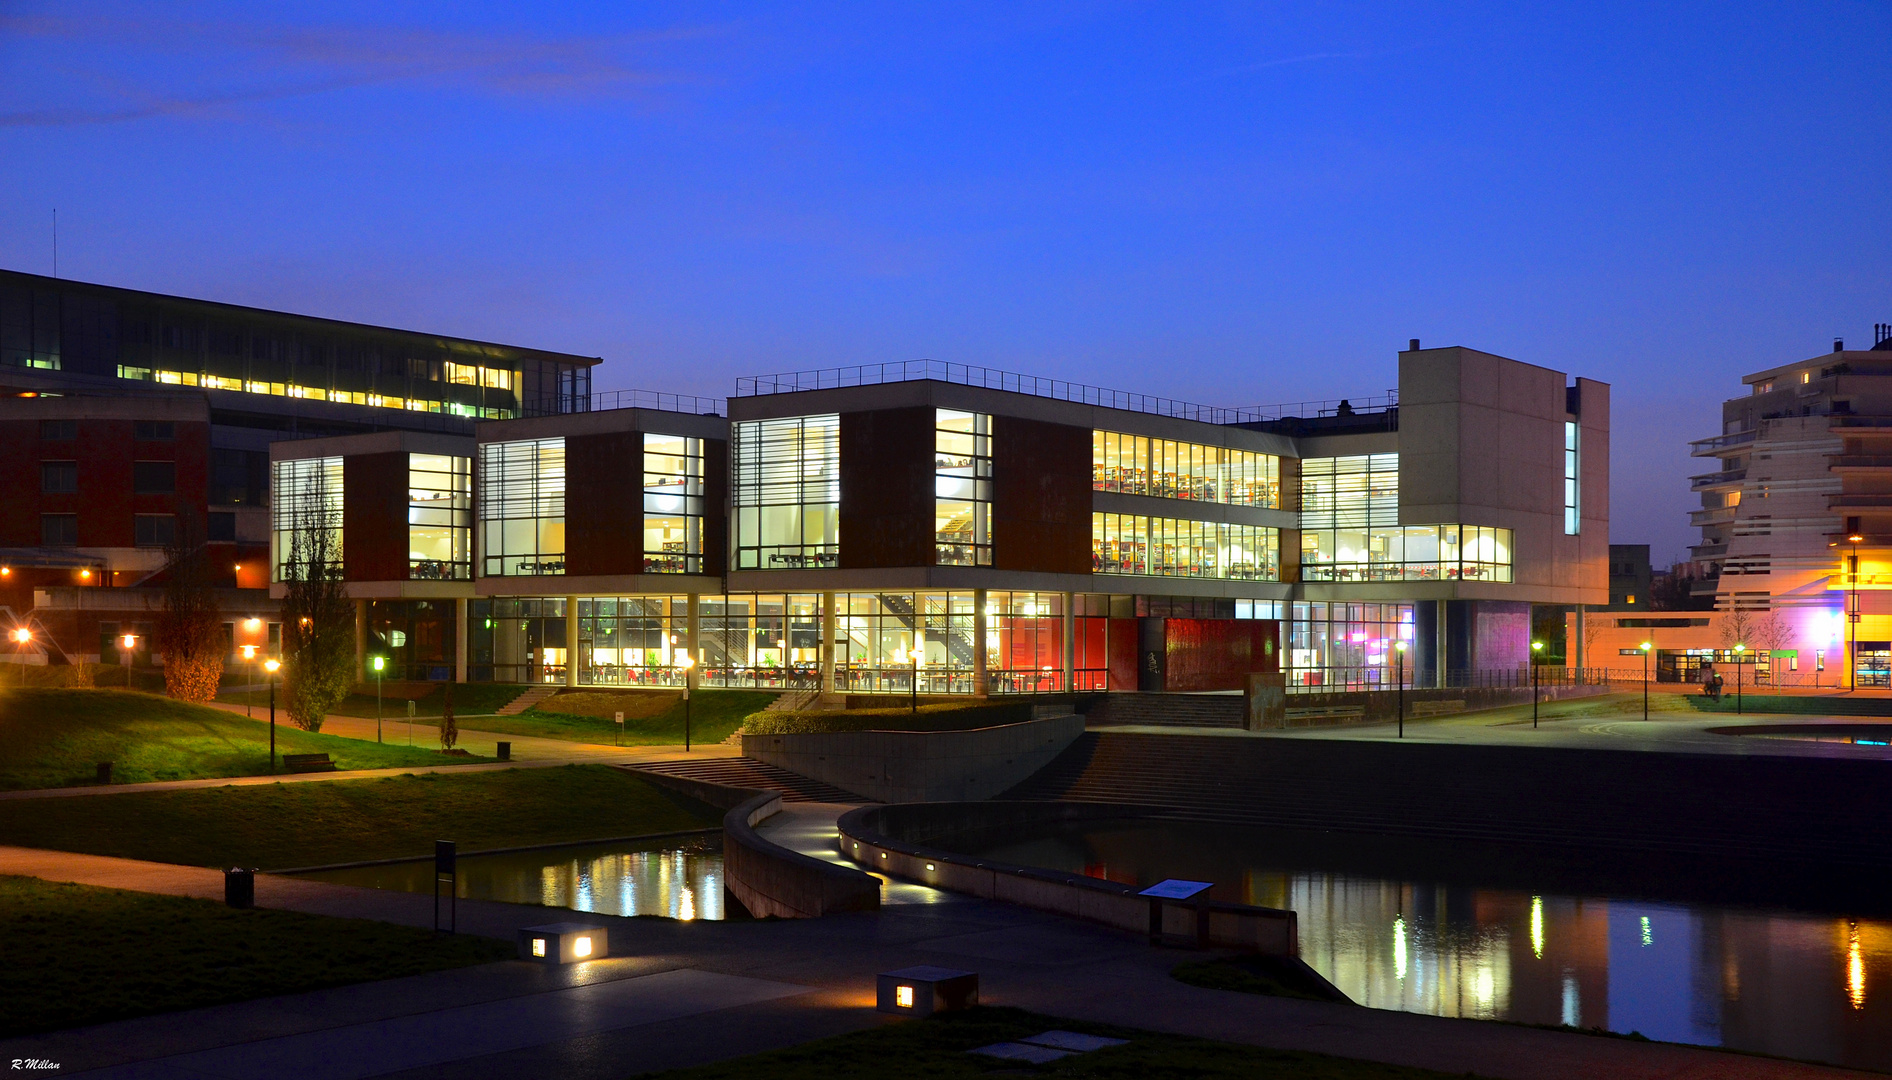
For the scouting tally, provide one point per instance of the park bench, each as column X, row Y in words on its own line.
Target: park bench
column 307, row 763
column 1325, row 714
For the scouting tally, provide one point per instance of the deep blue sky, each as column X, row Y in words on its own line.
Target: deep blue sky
column 1231, row 203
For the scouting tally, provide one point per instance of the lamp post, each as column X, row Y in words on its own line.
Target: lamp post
column 23, row 637
column 379, row 664
column 913, row 688
column 249, row 658
column 270, row 666
column 128, row 641
column 686, row 664
column 1739, row 648
column 1646, row 647
column 1536, row 647
column 1399, row 681
column 1852, row 614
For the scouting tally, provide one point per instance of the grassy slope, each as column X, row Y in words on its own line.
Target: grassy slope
column 714, row 715
column 55, row 738
column 315, row 824
column 469, row 699
column 955, row 716
column 73, row 955
column 936, row 1049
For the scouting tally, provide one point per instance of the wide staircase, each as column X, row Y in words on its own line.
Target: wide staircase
column 527, row 700
column 1168, row 710
column 742, row 772
column 1720, row 806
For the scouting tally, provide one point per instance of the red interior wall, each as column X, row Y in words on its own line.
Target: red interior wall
column 1214, row 654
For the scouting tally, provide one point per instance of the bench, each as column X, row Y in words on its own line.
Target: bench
column 307, row 763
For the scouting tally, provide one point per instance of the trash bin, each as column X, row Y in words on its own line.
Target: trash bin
column 505, row 751
column 239, row 887
column 105, row 772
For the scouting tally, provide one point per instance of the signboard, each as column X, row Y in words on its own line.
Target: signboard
column 1176, row 889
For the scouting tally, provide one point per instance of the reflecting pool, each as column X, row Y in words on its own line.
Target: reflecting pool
column 669, row 878
column 1795, row 984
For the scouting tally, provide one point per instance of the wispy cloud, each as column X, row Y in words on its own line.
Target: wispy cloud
column 261, row 63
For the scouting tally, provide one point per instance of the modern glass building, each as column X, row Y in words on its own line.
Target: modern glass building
column 974, row 532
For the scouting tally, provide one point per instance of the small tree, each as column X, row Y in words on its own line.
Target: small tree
column 318, row 626
column 1736, row 628
column 190, row 628
column 449, row 731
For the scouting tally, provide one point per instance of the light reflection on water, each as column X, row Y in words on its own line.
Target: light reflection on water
column 679, row 880
column 1778, row 982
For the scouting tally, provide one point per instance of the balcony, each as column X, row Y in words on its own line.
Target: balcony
column 1720, row 444
column 1724, row 478
column 1859, row 461
column 1720, row 515
column 1704, row 552
column 1854, row 501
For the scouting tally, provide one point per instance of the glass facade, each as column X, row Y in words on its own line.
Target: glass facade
column 306, row 497
column 439, row 517
column 1176, row 547
column 1354, row 493
column 962, row 488
column 1344, row 646
column 1135, row 465
column 1573, row 461
column 415, row 635
column 522, row 508
column 787, row 492
column 518, row 640
column 1407, row 553
column 673, row 504
column 761, row 640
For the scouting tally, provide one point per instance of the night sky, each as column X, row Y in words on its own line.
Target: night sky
column 1229, row 203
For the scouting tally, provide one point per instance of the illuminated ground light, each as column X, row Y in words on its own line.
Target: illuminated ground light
column 563, row 943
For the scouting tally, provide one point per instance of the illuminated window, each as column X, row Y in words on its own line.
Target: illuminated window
column 673, row 504
column 306, row 497
column 522, row 508
column 962, row 488
column 1572, row 486
column 788, row 492
column 1170, row 469
column 439, row 517
column 1179, row 547
column 1407, row 553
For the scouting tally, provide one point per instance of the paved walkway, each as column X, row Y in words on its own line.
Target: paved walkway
column 682, row 993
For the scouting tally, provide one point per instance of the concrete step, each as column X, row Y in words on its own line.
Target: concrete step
column 745, row 772
column 527, row 700
column 1168, row 710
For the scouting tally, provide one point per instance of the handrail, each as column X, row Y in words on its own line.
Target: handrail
column 789, row 382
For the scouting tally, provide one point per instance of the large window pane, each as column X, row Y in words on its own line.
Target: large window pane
column 788, row 492
column 306, row 498
column 522, row 491
column 962, row 488
column 673, row 504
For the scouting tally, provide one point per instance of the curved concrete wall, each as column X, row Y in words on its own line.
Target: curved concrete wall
column 884, row 838
column 771, row 880
column 921, row 766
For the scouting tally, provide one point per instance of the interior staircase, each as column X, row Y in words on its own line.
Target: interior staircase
column 527, row 700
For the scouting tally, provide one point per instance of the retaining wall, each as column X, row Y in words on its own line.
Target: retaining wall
column 890, row 839
column 921, row 766
column 771, row 880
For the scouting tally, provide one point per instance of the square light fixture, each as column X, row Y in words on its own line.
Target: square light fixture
column 564, row 943
column 923, row 991
column 903, row 996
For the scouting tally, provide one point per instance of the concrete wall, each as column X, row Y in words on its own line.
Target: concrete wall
column 921, row 766
column 772, row 881
column 880, row 837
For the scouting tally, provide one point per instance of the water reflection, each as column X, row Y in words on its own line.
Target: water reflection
column 1777, row 982
column 676, row 880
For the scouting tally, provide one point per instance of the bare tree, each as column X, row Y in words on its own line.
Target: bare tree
column 449, row 730
column 190, row 628
column 318, row 617
column 1736, row 627
column 1773, row 633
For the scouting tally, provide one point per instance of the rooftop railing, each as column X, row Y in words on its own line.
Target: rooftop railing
column 606, row 400
column 1058, row 389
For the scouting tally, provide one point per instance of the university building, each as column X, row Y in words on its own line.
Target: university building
column 981, row 532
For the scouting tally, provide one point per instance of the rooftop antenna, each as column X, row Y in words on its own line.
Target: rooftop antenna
column 55, row 241
column 1881, row 333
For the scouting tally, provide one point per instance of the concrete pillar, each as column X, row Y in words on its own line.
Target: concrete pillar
column 571, row 641
column 1582, row 661
column 461, row 628
column 1069, row 638
column 693, row 639
column 981, row 681
column 1443, row 661
column 361, row 639
column 828, row 624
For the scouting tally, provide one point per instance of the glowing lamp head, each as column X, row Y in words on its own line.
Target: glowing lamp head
column 1400, row 646
column 1646, row 646
column 903, row 996
column 1740, row 648
column 85, row 573
column 128, row 640
column 581, row 947
column 687, row 662
column 1855, row 538
column 378, row 663
column 22, row 635
column 271, row 666
column 252, row 623
column 249, row 652
column 1537, row 646
column 6, row 571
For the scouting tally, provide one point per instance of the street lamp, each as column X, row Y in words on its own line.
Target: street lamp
column 686, row 664
column 379, row 664
column 1399, row 681
column 1646, row 647
column 249, row 657
column 901, row 656
column 1852, row 614
column 270, row 666
column 1536, row 647
column 1739, row 648
column 24, row 637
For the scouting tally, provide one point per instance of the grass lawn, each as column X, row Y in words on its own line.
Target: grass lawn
column 469, row 699
column 936, row 1048
column 948, row 716
column 74, row 954
column 1266, row 975
column 56, row 738
column 714, row 715
column 278, row 826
